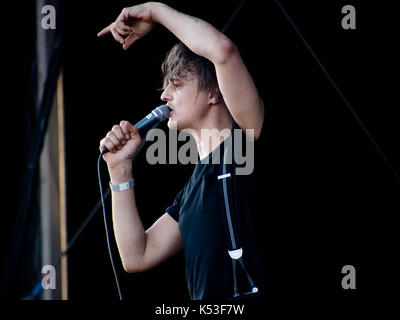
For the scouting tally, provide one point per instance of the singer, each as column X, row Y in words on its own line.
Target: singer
column 206, row 86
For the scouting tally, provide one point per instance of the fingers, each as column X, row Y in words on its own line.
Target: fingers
column 119, row 31
column 124, row 129
column 110, row 142
column 117, row 137
column 130, row 40
column 106, row 143
column 122, row 28
column 104, row 31
column 119, row 134
column 117, row 36
column 129, row 129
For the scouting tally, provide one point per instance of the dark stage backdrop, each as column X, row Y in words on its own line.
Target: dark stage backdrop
column 326, row 198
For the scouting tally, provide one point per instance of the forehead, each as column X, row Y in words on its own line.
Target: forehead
column 188, row 80
column 183, row 76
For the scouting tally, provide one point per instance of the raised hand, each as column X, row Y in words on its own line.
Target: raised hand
column 132, row 24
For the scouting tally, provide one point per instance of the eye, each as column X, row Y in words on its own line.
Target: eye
column 175, row 83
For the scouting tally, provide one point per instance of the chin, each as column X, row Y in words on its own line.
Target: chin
column 172, row 124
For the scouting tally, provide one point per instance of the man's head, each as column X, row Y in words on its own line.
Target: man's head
column 190, row 86
column 182, row 62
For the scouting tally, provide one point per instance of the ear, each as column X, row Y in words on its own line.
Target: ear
column 214, row 96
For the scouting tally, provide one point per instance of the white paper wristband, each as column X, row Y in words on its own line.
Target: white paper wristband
column 122, row 186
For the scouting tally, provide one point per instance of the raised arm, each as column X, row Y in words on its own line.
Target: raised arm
column 236, row 84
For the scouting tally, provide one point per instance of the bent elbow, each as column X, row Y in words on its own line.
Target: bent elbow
column 226, row 49
column 130, row 267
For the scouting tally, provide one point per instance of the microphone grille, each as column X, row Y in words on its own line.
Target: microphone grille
column 162, row 112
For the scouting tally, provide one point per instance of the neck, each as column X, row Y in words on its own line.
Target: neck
column 213, row 131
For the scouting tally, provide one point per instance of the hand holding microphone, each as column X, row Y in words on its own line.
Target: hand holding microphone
column 124, row 139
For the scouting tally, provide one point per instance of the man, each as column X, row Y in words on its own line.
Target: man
column 206, row 85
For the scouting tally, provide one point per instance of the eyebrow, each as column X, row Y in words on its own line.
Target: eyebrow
column 175, row 78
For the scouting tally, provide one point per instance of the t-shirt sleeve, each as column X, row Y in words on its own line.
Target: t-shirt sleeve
column 173, row 210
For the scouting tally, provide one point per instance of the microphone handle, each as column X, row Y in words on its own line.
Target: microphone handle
column 146, row 123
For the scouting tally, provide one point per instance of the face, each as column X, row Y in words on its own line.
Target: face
column 187, row 104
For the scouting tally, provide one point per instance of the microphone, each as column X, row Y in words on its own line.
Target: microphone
column 158, row 115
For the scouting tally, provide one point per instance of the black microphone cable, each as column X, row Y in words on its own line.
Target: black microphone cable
column 105, row 222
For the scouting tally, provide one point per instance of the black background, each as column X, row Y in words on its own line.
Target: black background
column 327, row 199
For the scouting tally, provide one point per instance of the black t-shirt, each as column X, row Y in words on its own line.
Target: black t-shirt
column 200, row 210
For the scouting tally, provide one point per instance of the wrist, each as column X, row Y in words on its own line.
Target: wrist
column 154, row 9
column 120, row 174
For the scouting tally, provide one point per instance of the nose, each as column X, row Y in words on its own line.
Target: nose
column 166, row 95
